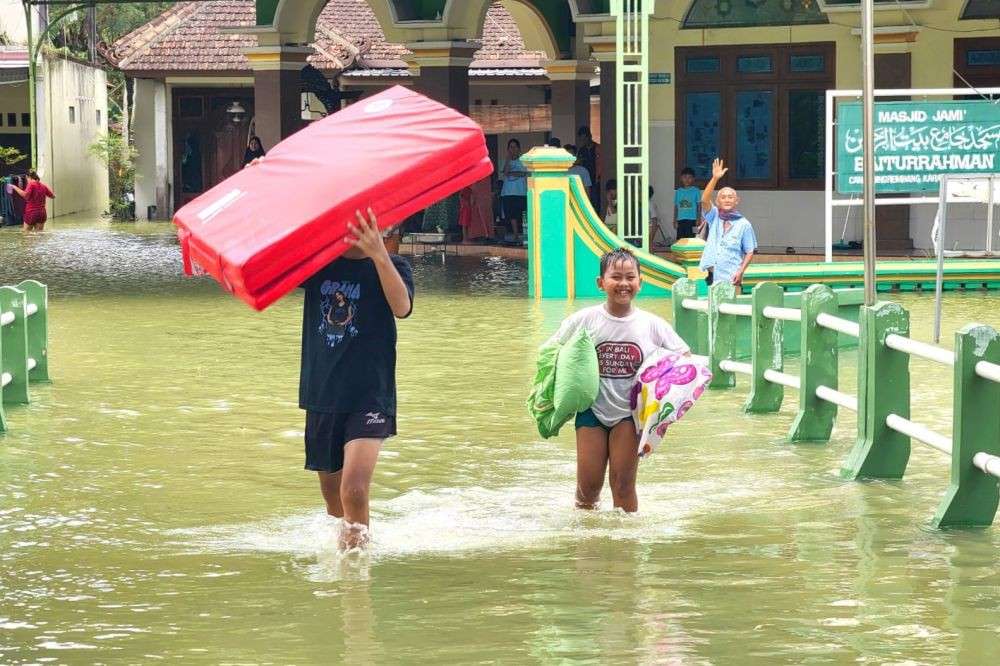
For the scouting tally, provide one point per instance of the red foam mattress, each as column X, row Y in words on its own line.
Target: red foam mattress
column 269, row 227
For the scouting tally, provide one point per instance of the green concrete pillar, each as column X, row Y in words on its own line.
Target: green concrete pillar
column 37, row 294
column 883, row 388
column 14, row 347
column 973, row 495
column 766, row 349
column 685, row 321
column 551, row 261
column 3, row 417
column 721, row 334
column 814, row 421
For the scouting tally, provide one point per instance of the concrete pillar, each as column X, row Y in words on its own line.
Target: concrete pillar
column 277, row 90
column 152, row 138
column 440, row 70
column 570, row 84
column 609, row 118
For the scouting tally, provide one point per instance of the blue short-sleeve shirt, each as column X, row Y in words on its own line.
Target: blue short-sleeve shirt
column 514, row 186
column 688, row 201
column 725, row 250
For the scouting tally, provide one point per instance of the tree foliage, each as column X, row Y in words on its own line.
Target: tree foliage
column 113, row 151
column 11, row 156
column 114, row 21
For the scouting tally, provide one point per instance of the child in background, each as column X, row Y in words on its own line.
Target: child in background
column 611, row 210
column 624, row 335
column 686, row 200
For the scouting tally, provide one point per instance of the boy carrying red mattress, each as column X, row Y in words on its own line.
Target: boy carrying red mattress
column 348, row 379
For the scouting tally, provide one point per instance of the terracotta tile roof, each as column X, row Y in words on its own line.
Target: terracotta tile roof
column 189, row 37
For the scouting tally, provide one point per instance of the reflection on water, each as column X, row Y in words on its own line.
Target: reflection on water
column 153, row 505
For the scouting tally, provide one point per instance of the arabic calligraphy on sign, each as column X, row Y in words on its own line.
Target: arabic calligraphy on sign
column 922, row 139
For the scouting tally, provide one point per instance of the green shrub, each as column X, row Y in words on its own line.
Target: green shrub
column 119, row 157
column 10, row 156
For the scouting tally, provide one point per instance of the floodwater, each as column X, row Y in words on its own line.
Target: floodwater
column 153, row 505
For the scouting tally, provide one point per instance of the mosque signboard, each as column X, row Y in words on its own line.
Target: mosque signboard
column 917, row 142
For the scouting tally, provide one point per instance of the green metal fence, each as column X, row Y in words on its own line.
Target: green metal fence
column 632, row 117
column 24, row 342
column 884, row 428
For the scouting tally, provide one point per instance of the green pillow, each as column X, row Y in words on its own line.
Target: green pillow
column 566, row 382
column 577, row 376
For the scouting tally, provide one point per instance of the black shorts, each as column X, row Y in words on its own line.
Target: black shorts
column 328, row 434
column 514, row 207
column 685, row 229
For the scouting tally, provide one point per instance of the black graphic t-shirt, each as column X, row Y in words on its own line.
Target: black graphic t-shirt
column 349, row 339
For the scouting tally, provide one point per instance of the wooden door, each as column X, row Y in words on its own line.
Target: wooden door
column 208, row 144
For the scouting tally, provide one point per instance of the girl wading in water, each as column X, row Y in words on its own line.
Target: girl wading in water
column 34, row 196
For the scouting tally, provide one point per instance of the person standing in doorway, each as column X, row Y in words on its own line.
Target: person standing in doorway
column 686, row 199
column 34, row 195
column 588, row 154
column 255, row 150
column 514, row 193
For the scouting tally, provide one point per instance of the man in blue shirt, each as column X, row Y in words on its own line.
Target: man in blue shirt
column 731, row 241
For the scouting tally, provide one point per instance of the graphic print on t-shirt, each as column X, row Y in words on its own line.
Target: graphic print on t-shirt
column 339, row 303
column 618, row 359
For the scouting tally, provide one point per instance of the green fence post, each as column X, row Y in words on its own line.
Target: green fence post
column 973, row 496
column 15, row 346
column 685, row 321
column 883, row 388
column 721, row 334
column 3, row 418
column 766, row 344
column 37, row 295
column 814, row 421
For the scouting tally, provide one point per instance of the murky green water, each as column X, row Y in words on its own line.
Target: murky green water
column 153, row 505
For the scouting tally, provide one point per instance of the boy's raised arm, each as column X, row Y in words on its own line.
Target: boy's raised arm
column 718, row 171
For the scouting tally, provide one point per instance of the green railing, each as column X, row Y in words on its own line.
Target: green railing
column 884, row 428
column 24, row 342
column 632, row 117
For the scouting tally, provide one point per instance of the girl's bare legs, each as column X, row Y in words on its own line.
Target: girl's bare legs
column 329, row 485
column 360, row 456
column 623, row 465
column 591, row 462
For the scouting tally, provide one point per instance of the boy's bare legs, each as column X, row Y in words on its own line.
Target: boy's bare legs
column 360, row 456
column 623, row 465
column 329, row 485
column 591, row 462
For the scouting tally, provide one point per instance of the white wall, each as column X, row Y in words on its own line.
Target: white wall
column 79, row 180
column 151, row 130
column 966, row 226
column 12, row 21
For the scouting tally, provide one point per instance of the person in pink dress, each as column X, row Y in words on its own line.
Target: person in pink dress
column 475, row 211
column 34, row 196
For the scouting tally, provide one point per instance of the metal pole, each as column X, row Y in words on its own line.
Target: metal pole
column 31, row 87
column 989, row 217
column 868, row 132
column 939, row 282
column 828, row 194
